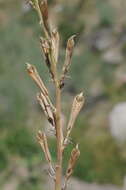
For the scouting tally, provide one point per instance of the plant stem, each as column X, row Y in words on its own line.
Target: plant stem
column 59, row 130
column 59, row 135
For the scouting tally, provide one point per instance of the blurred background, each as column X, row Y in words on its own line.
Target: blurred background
column 98, row 69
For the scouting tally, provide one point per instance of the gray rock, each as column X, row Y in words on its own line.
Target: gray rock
column 113, row 55
column 117, row 121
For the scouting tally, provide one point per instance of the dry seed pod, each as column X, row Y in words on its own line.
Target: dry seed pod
column 35, row 76
column 71, row 164
column 42, row 140
column 78, row 103
column 46, row 51
column 43, row 5
column 55, row 44
column 46, row 108
column 73, row 159
column 69, row 51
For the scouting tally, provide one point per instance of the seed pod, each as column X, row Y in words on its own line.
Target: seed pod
column 78, row 103
column 69, row 51
column 46, row 51
column 46, row 108
column 42, row 140
column 43, row 5
column 73, row 159
column 35, row 76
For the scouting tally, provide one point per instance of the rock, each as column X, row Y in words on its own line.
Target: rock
column 117, row 121
column 113, row 55
column 101, row 39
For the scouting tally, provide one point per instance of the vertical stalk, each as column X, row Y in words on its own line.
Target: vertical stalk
column 59, row 135
column 59, row 143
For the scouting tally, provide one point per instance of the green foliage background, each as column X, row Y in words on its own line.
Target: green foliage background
column 102, row 159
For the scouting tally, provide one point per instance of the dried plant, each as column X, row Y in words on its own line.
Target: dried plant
column 50, row 49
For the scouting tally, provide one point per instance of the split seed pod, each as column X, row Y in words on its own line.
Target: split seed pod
column 46, row 51
column 46, row 108
column 78, row 103
column 35, row 76
column 69, row 52
column 42, row 140
column 73, row 159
